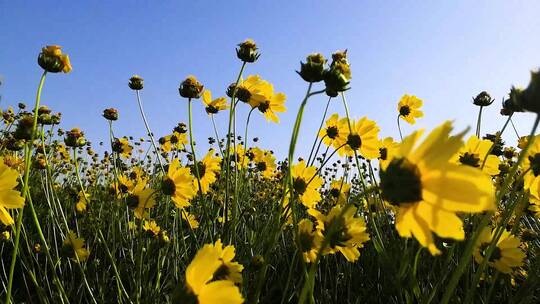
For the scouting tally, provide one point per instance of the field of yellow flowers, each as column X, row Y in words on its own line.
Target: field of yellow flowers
column 435, row 216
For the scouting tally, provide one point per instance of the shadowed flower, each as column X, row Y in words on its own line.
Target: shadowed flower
column 506, row 255
column 208, row 167
column 473, row 154
column 310, row 240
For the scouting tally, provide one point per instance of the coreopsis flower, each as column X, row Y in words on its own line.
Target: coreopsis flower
column 122, row 147
column 339, row 191
column 151, row 228
column 190, row 219
column 110, row 114
column 239, row 156
column 335, row 130
column 52, row 60
column 200, row 286
column 175, row 140
column 75, row 248
column 408, row 108
column 136, row 83
column 74, row 138
column 140, row 199
column 306, row 184
column 247, row 51
column 228, row 270
column 9, row 198
column 208, row 168
column 345, row 234
column 269, row 104
column 531, row 166
column 213, row 106
column 265, row 162
column 178, row 184
column 522, row 142
column 62, row 152
column 309, row 239
column 534, row 205
column 473, row 154
column 313, row 69
column 253, row 85
column 429, row 190
column 82, row 203
column 505, row 256
column 190, row 88
column 387, row 148
column 361, row 137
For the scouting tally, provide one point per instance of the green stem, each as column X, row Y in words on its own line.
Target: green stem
column 399, row 127
column 479, row 121
column 317, row 134
column 217, row 135
column 158, row 155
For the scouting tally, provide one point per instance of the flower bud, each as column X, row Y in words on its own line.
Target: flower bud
column 336, row 79
column 247, row 51
column 313, row 69
column 74, row 138
column 190, row 88
column 52, row 60
column 24, row 127
column 110, row 114
column 13, row 144
column 483, row 99
column 230, row 89
column 136, row 83
column 181, row 128
column 530, row 97
column 21, row 106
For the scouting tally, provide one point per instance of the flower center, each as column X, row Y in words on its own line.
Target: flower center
column 306, row 241
column 168, row 187
column 495, row 255
column 401, row 183
column 300, row 185
column 535, row 163
column 264, row 106
column 470, row 159
column 200, row 167
column 332, row 132
column 354, row 141
column 334, row 192
column 243, row 94
column 221, row 273
column 339, row 235
column 404, row 111
column 383, row 153
column 132, row 201
column 211, row 110
column 261, row 166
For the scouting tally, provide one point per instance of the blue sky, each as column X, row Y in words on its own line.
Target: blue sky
column 443, row 52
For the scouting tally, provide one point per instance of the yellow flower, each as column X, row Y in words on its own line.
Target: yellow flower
column 200, row 286
column 84, row 199
column 122, row 147
column 208, row 168
column 269, row 103
column 429, row 190
column 141, row 199
column 362, row 137
column 534, row 205
column 531, row 165
column 247, row 89
column 213, row 106
column 264, row 161
column 190, row 219
column 152, row 228
column 74, row 247
column 52, row 60
column 9, row 198
column 505, row 256
column 387, row 148
column 473, row 154
column 178, row 184
column 175, row 140
column 306, row 184
column 345, row 234
column 522, row 142
column 64, row 154
column 310, row 240
column 228, row 270
column 239, row 156
column 336, row 131
column 408, row 108
column 339, row 191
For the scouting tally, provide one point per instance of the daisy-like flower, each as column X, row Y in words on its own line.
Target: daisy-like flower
column 473, row 154
column 339, row 191
column 345, row 234
column 140, row 199
column 362, row 137
column 335, row 130
column 534, row 205
column 178, row 184
column 253, row 85
column 387, row 148
column 175, row 140
column 265, row 162
column 208, row 167
column 428, row 189
column 408, row 108
column 269, row 104
column 74, row 248
column 52, row 60
column 310, row 240
column 190, row 219
column 531, row 165
column 82, row 203
column 62, row 152
column 212, row 106
column 122, row 147
column 228, row 270
column 239, row 156
column 151, row 228
column 306, row 184
column 9, row 198
column 505, row 256
column 200, row 286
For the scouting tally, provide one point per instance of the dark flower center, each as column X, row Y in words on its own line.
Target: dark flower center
column 264, row 106
column 132, row 201
column 535, row 163
column 334, row 192
column 243, row 94
column 337, row 232
column 300, row 185
column 495, row 255
column 401, row 183
column 383, row 153
column 261, row 166
column 470, row 159
column 354, row 141
column 200, row 167
column 332, row 132
column 168, row 187
column 211, row 110
column 306, row 241
column 404, row 111
column 221, row 273
column 174, row 139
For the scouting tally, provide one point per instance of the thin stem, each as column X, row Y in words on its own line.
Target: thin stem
column 150, row 134
column 479, row 121
column 217, row 135
column 192, row 145
column 245, row 136
column 514, row 127
column 399, row 127
column 320, row 127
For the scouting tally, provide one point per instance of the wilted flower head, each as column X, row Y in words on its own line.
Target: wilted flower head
column 52, row 60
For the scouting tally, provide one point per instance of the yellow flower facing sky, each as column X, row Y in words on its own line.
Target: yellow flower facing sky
column 270, row 103
column 208, row 167
column 179, row 184
column 429, row 189
column 473, row 154
column 361, row 137
column 306, row 184
column 409, row 108
column 335, row 130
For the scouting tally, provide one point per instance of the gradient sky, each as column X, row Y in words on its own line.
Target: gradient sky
column 445, row 52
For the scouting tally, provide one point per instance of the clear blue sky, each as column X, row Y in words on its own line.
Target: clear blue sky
column 445, row 52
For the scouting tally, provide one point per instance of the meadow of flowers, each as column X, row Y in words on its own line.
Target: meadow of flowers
column 435, row 216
